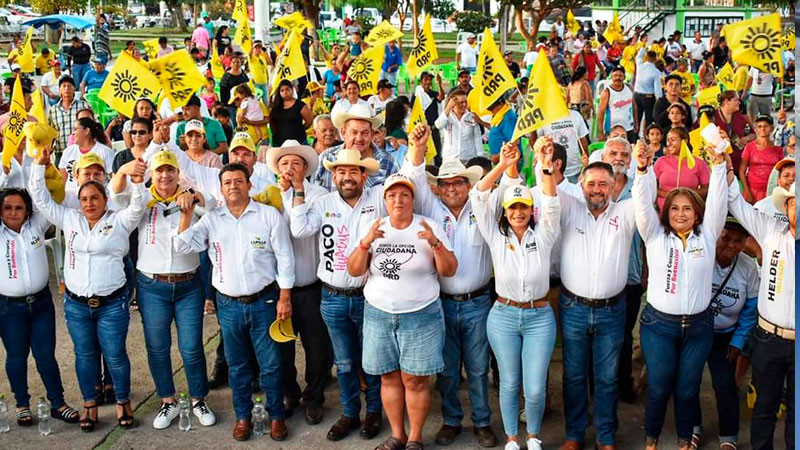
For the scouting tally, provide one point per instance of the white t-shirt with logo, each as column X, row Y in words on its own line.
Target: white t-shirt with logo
column 469, row 55
column 762, row 82
column 402, row 273
column 742, row 284
column 73, row 153
column 568, row 132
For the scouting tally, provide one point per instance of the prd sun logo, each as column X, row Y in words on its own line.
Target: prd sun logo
column 389, row 267
column 420, row 44
column 362, row 70
column 764, row 41
column 15, row 123
column 172, row 74
column 126, row 86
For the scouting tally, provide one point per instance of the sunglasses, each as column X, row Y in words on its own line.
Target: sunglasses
column 139, row 132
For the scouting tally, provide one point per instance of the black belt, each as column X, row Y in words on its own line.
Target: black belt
column 761, row 95
column 594, row 302
column 347, row 292
column 253, row 297
column 684, row 319
column 313, row 285
column 25, row 298
column 464, row 297
column 96, row 301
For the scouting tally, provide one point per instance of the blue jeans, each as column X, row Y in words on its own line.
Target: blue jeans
column 78, row 71
column 205, row 276
column 465, row 341
column 93, row 330
column 31, row 327
column 159, row 304
column 246, row 325
column 344, row 317
column 723, row 379
column 675, row 355
column 591, row 337
column 518, row 335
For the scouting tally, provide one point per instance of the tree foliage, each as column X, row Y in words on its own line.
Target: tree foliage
column 46, row 7
column 538, row 10
column 439, row 9
column 472, row 21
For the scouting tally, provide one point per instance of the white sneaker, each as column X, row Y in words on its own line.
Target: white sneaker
column 166, row 414
column 534, row 444
column 204, row 413
column 511, row 445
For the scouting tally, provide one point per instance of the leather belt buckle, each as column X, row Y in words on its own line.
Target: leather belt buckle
column 93, row 302
column 30, row 299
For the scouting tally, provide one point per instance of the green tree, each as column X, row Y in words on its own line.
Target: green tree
column 538, row 10
column 176, row 11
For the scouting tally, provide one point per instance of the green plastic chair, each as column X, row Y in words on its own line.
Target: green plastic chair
column 93, row 91
column 402, row 77
column 449, row 73
column 595, row 146
column 8, row 75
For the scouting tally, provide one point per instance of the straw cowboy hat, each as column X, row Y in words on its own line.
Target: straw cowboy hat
column 359, row 112
column 347, row 157
column 452, row 168
column 292, row 147
column 780, row 196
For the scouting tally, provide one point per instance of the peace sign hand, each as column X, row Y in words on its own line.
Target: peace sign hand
column 427, row 234
column 374, row 233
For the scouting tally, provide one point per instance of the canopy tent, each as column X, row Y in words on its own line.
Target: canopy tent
column 56, row 20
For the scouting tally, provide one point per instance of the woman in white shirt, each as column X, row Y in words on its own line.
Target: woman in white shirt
column 27, row 315
column 89, row 137
column 404, row 255
column 521, row 326
column 96, row 294
column 677, row 325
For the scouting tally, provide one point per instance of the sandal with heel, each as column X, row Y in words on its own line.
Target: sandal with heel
column 24, row 417
column 87, row 423
column 125, row 420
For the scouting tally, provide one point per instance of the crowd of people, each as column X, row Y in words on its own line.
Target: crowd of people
column 319, row 206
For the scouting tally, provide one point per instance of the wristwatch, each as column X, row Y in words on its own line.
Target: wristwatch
column 298, row 194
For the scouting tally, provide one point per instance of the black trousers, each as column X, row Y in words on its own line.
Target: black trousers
column 644, row 105
column 633, row 293
column 773, row 367
column 308, row 325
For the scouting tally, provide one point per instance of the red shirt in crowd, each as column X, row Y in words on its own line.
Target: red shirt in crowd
column 590, row 61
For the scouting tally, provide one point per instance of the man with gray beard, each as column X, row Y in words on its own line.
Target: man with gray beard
column 592, row 304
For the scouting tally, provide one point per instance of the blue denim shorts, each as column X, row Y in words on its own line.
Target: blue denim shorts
column 411, row 342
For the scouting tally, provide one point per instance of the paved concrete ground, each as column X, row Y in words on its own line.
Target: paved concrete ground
column 301, row 435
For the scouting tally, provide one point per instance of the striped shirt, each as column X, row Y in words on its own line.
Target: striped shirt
column 387, row 167
column 63, row 120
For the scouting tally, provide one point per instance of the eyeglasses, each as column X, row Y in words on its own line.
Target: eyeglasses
column 451, row 184
column 139, row 132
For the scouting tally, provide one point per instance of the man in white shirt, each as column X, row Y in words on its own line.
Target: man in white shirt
column 759, row 84
column 253, row 273
column 384, row 95
column 462, row 134
column 293, row 162
column 465, row 296
column 467, row 55
column 573, row 134
column 785, row 169
column 592, row 305
column 337, row 217
column 696, row 49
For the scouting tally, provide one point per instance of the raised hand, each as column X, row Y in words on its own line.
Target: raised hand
column 138, row 169
column 374, row 233
column 186, row 201
column 509, row 155
column 44, row 156
column 641, row 153
column 427, row 233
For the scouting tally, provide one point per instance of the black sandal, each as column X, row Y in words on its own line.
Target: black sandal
column 24, row 417
column 87, row 423
column 391, row 443
column 126, row 420
column 68, row 415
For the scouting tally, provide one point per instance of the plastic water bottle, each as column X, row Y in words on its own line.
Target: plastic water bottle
column 258, row 417
column 43, row 414
column 184, row 406
column 4, row 425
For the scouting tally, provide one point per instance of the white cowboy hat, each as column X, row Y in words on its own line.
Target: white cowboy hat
column 347, row 157
column 292, row 147
column 358, row 111
column 780, row 196
column 452, row 168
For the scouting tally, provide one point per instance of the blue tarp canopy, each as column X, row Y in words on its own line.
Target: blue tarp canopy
column 56, row 20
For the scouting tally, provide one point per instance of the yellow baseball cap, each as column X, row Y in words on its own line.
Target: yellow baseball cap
column 38, row 135
column 282, row 331
column 86, row 160
column 517, row 194
column 243, row 139
column 164, row 158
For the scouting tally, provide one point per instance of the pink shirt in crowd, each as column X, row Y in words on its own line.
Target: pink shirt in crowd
column 760, row 167
column 666, row 170
column 200, row 38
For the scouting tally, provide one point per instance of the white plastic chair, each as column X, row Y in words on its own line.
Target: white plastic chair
column 600, row 86
column 56, row 245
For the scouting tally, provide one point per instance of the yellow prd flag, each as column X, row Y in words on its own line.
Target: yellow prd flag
column 614, row 31
column 217, row 69
column 725, row 75
column 492, row 79
column 151, row 47
column 709, row 96
column 366, row 70
column 687, row 155
column 290, row 64
column 12, row 133
column 25, row 50
column 382, row 34
column 37, row 106
column 126, row 83
column 544, row 103
column 418, row 116
column 756, row 42
column 696, row 138
column 179, row 76
column 424, row 52
column 243, row 38
column 294, row 21
column 787, row 39
column 572, row 24
column 240, row 10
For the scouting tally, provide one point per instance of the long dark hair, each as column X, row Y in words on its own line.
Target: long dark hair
column 26, row 199
column 395, row 115
column 219, row 32
column 276, row 102
column 505, row 227
column 94, row 127
column 152, row 106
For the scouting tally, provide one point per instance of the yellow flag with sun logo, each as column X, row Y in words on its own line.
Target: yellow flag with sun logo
column 294, row 21
column 366, row 69
column 243, row 37
column 787, row 39
column 178, row 75
column 418, row 116
column 151, row 47
column 492, row 79
column 572, row 24
column 217, row 69
column 424, row 52
column 614, row 31
column 725, row 76
column 290, row 65
column 239, row 10
column 25, row 50
column 756, row 42
column 384, row 33
column 12, row 132
column 709, row 96
column 126, row 83
column 544, row 102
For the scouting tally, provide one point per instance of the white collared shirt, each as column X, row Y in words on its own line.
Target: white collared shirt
column 338, row 226
column 206, row 179
column 71, row 155
column 93, row 261
column 306, row 253
column 248, row 253
column 521, row 269
column 596, row 251
column 766, row 206
column 24, row 258
column 463, row 236
column 776, row 302
column 564, row 188
column 680, row 276
column 461, row 138
column 18, row 174
column 72, row 201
